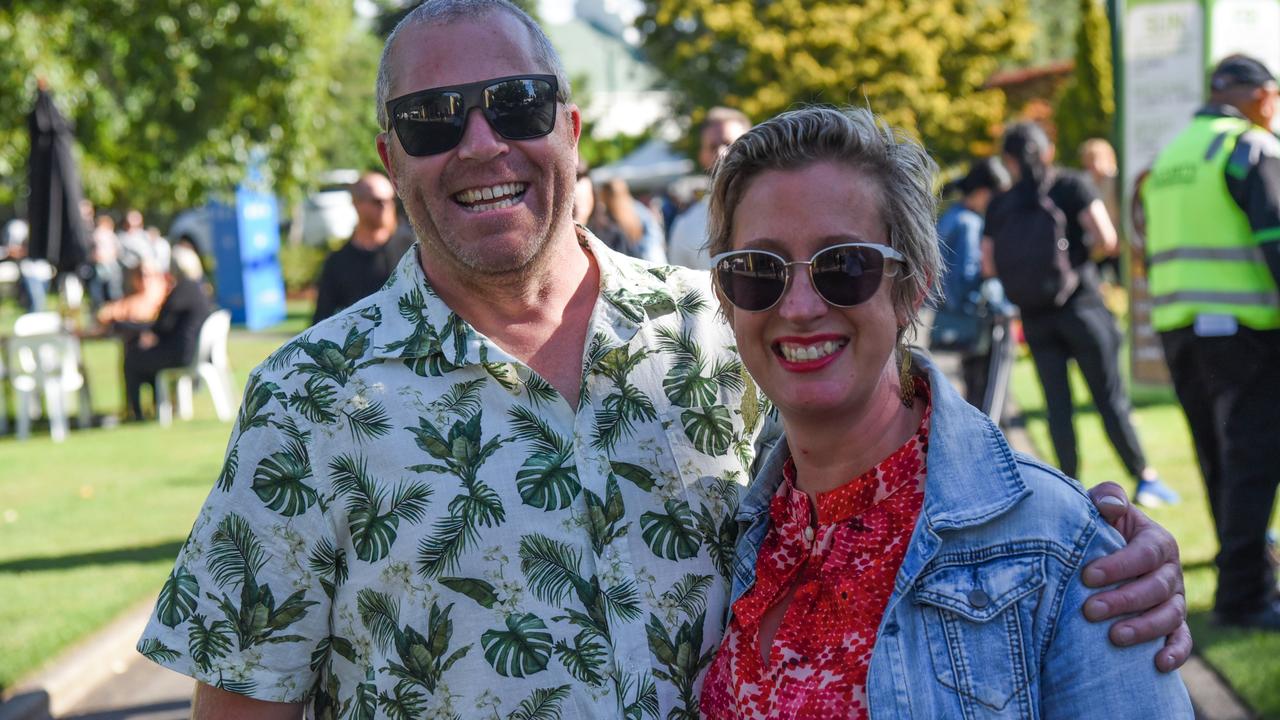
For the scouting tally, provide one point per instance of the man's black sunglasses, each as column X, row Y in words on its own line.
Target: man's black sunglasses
column 520, row 107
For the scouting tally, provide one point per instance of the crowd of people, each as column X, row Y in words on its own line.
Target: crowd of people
column 149, row 294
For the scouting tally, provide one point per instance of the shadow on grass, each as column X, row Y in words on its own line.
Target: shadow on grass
column 146, row 553
column 1086, row 408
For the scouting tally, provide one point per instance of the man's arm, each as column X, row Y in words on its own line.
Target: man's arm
column 210, row 703
column 988, row 257
column 1253, row 179
column 1151, row 574
column 1095, row 221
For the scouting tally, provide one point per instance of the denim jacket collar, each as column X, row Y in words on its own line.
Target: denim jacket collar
column 954, row 451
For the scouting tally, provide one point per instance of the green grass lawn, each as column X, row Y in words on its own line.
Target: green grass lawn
column 1250, row 661
column 91, row 526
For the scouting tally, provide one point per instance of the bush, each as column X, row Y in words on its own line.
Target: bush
column 300, row 265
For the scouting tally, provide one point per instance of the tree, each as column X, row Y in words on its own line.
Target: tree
column 922, row 64
column 171, row 98
column 1088, row 106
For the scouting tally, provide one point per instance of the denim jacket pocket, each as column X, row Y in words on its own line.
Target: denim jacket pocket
column 978, row 619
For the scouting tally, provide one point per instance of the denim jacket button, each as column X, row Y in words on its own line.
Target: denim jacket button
column 979, row 598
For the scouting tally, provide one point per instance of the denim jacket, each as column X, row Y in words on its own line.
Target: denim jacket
column 985, row 616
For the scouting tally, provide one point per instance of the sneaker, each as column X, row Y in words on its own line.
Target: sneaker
column 1268, row 618
column 1153, row 493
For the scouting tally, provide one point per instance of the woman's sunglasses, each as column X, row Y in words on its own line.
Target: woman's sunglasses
column 520, row 107
column 843, row 275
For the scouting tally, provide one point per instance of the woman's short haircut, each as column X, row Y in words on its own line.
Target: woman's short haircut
column 185, row 262
column 859, row 139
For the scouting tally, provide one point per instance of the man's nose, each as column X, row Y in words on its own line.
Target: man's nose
column 479, row 140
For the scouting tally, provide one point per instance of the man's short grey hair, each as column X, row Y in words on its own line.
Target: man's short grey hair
column 859, row 139
column 442, row 12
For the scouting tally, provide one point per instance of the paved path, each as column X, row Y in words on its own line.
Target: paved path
column 104, row 679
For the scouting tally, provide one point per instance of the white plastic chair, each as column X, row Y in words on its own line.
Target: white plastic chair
column 45, row 358
column 210, row 366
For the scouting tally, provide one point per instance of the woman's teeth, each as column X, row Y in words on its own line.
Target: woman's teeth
column 806, row 353
column 493, row 197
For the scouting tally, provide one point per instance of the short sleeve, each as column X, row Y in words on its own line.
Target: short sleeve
column 245, row 607
column 1253, row 179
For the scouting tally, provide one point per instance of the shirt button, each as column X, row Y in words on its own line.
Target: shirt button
column 979, row 598
column 808, row 534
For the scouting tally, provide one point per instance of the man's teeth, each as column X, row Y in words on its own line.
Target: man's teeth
column 805, row 353
column 493, row 197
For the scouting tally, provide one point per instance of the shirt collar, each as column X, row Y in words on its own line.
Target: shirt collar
column 977, row 476
column 416, row 324
column 1212, row 110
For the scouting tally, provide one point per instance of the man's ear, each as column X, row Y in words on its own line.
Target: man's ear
column 575, row 122
column 384, row 154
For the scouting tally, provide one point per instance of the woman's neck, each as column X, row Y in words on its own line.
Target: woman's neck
column 830, row 454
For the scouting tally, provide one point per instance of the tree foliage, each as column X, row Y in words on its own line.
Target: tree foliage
column 920, row 64
column 1087, row 106
column 172, row 97
column 1056, row 23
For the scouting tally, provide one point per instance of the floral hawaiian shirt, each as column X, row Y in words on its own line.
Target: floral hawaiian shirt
column 412, row 523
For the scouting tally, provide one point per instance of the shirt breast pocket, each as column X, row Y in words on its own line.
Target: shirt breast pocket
column 978, row 619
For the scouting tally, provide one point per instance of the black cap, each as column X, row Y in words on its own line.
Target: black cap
column 1240, row 70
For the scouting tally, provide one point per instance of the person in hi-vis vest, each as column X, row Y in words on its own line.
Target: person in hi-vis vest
column 1212, row 205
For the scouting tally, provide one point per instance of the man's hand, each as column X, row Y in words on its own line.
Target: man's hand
column 1152, row 585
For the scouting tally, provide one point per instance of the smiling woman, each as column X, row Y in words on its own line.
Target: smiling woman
column 893, row 510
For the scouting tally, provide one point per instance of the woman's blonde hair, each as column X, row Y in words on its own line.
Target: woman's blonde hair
column 857, row 138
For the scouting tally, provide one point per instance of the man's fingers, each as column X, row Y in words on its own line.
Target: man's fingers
column 1177, row 649
column 1146, row 551
column 1111, row 500
column 1158, row 623
column 1147, row 592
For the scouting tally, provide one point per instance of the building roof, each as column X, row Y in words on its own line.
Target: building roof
column 1021, row 76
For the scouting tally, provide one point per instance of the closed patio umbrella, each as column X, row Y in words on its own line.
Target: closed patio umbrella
column 58, row 233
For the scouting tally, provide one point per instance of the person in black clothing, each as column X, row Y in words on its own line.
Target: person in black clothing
column 172, row 340
column 1081, row 328
column 364, row 263
column 1212, row 210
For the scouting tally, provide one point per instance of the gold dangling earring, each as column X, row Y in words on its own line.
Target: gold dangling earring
column 906, row 384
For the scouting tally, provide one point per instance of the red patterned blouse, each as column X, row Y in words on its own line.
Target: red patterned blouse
column 839, row 573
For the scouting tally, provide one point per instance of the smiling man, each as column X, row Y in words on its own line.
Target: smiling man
column 505, row 484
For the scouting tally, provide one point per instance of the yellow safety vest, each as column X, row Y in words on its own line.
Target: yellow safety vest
column 1203, row 257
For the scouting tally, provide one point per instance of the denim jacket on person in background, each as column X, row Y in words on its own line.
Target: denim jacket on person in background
column 985, row 617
